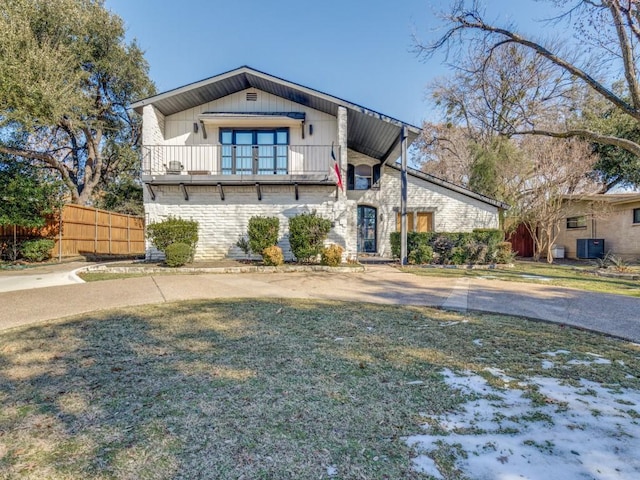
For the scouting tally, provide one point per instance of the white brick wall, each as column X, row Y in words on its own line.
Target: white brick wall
column 222, row 222
column 452, row 211
column 153, row 126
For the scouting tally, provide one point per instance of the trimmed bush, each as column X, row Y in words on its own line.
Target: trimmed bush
column 307, row 233
column 178, row 254
column 504, row 253
column 37, row 250
column 458, row 248
column 173, row 230
column 331, row 255
column 421, row 255
column 243, row 244
column 272, row 256
column 263, row 233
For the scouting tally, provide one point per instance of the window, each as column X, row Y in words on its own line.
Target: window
column 636, row 215
column 576, row 222
column 254, row 152
column 417, row 221
column 363, row 176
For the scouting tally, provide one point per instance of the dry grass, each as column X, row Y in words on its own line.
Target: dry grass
column 256, row 389
column 560, row 275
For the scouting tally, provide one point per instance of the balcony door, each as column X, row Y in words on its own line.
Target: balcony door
column 254, row 152
column 367, row 227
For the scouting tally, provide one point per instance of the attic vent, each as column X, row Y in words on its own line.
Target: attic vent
column 252, row 97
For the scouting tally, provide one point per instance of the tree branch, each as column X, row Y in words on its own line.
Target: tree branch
column 471, row 19
column 590, row 135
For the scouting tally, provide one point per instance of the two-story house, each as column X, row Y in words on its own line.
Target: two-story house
column 245, row 143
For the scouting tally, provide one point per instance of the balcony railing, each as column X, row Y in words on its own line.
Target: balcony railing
column 238, row 160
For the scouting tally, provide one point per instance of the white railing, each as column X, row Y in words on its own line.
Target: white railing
column 237, row 160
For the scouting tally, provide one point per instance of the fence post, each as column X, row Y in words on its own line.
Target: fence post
column 60, row 237
column 128, row 235
column 109, row 233
column 95, row 236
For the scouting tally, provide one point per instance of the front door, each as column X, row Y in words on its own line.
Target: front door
column 367, row 227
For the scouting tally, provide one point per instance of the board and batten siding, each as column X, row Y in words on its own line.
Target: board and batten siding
column 452, row 211
column 221, row 223
column 178, row 128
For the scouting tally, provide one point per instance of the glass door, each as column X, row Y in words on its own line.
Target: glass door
column 367, row 226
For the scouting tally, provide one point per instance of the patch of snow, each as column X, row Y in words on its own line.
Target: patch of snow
column 448, row 324
column 478, row 342
column 506, row 435
column 535, row 277
column 338, row 339
column 416, row 382
column 496, row 372
column 597, row 361
column 332, row 471
column 424, row 464
column 556, row 353
column 546, row 365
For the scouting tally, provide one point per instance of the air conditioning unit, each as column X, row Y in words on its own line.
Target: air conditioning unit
column 590, row 248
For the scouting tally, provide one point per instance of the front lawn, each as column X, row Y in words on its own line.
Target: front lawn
column 580, row 277
column 303, row 390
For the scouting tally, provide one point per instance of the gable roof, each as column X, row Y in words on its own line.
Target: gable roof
column 368, row 132
column 451, row 186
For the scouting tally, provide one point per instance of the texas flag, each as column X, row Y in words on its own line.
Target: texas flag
column 336, row 169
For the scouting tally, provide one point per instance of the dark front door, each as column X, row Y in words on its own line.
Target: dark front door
column 367, row 226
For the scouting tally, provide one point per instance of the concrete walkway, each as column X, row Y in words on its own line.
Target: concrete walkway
column 612, row 314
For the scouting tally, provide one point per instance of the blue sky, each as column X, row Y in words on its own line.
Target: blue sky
column 358, row 50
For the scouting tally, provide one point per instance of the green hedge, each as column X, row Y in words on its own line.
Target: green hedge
column 178, row 254
column 37, row 250
column 262, row 233
column 456, row 248
column 307, row 233
column 173, row 230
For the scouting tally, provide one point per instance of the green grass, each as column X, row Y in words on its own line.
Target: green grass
column 257, row 389
column 531, row 272
column 99, row 276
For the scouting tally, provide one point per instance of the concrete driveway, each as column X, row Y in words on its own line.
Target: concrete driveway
column 611, row 314
column 39, row 277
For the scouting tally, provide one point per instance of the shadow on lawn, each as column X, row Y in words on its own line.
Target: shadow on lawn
column 260, row 388
column 205, row 390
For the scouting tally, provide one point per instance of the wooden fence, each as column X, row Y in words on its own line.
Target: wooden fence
column 87, row 231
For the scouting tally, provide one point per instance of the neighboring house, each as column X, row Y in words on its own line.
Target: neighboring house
column 614, row 218
column 245, row 143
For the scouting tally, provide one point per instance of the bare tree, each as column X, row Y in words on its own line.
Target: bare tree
column 607, row 30
column 560, row 168
column 446, row 152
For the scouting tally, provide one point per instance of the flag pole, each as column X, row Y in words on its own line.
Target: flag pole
column 403, row 197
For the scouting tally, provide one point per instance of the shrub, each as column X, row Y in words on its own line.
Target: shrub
column 421, row 255
column 504, row 254
column 272, row 256
column 263, row 233
column 37, row 250
column 243, row 244
column 307, row 233
column 178, row 254
column 173, row 230
column 331, row 255
column 476, row 252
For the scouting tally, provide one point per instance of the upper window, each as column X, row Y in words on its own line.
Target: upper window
column 254, row 152
column 636, row 215
column 577, row 222
column 362, row 177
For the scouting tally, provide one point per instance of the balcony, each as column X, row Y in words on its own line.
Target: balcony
column 238, row 164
